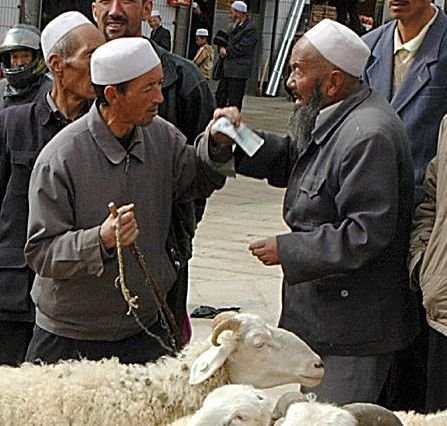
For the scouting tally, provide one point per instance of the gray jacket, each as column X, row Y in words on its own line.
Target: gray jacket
column 75, row 177
column 348, row 205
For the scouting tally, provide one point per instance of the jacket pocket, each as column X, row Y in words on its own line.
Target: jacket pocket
column 21, row 166
column 348, row 314
column 15, row 281
column 312, row 185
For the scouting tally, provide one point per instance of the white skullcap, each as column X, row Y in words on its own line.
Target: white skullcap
column 58, row 28
column 122, row 60
column 240, row 6
column 195, row 4
column 340, row 46
column 202, row 32
column 156, row 13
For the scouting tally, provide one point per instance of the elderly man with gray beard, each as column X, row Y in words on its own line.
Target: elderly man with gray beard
column 346, row 164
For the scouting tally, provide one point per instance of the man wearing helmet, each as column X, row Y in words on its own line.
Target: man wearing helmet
column 23, row 66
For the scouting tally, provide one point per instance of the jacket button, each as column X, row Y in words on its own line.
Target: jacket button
column 344, row 293
column 177, row 264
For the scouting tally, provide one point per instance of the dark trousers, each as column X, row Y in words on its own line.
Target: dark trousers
column 352, row 378
column 230, row 92
column 436, row 371
column 406, row 384
column 345, row 8
column 137, row 349
column 14, row 339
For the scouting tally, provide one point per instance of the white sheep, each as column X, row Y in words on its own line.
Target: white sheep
column 232, row 405
column 109, row 393
column 323, row 414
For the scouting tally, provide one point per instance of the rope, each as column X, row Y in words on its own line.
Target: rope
column 167, row 319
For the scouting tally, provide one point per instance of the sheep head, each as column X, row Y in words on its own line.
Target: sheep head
column 233, row 405
column 257, row 353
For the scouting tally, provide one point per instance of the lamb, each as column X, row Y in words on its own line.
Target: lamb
column 297, row 412
column 232, row 405
column 243, row 349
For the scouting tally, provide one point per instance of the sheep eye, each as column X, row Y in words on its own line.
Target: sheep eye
column 259, row 345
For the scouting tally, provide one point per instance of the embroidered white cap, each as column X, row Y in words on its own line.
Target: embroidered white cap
column 122, row 60
column 202, row 32
column 340, row 46
column 240, row 6
column 195, row 5
column 58, row 28
column 156, row 13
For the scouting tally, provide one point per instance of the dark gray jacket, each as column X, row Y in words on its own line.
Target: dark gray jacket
column 24, row 131
column 241, row 51
column 348, row 204
column 162, row 37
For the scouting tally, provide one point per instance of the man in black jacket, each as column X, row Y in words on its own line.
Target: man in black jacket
column 159, row 33
column 24, row 131
column 238, row 58
column 189, row 105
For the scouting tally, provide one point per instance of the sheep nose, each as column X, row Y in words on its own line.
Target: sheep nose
column 319, row 364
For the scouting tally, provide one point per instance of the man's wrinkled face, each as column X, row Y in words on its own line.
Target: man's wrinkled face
column 139, row 104
column 121, row 18
column 76, row 77
column 304, row 75
column 20, row 58
column 408, row 9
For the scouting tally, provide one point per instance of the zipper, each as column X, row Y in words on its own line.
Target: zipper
column 126, row 167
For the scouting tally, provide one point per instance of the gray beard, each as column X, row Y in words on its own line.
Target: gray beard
column 302, row 121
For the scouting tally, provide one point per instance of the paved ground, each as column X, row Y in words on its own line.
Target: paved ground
column 223, row 273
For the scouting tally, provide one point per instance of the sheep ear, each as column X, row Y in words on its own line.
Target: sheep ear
column 208, row 362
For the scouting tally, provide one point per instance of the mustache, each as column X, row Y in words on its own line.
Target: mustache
column 118, row 20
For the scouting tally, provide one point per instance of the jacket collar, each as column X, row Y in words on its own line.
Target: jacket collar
column 382, row 62
column 321, row 133
column 107, row 141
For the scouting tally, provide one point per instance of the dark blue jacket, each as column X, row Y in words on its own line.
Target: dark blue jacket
column 420, row 101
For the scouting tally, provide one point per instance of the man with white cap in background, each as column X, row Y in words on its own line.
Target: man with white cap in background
column 238, row 58
column 159, row 33
column 67, row 44
column 347, row 168
column 189, row 105
column 198, row 21
column 204, row 58
column 119, row 151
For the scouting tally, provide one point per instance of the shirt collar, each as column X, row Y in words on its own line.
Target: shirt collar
column 414, row 44
column 325, row 113
column 109, row 144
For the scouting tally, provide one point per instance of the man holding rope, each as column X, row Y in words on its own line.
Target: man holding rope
column 120, row 151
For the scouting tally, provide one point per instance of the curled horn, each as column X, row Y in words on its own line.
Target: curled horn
column 285, row 401
column 372, row 414
column 224, row 321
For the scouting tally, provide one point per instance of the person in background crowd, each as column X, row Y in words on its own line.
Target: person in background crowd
column 121, row 151
column 198, row 20
column 408, row 66
column 204, row 58
column 24, row 131
column 189, row 105
column 428, row 271
column 348, row 14
column 346, row 164
column 23, row 66
column 159, row 33
column 237, row 57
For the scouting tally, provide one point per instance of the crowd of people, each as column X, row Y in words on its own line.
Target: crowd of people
column 123, row 119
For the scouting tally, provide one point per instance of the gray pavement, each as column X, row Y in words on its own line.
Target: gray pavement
column 222, row 271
